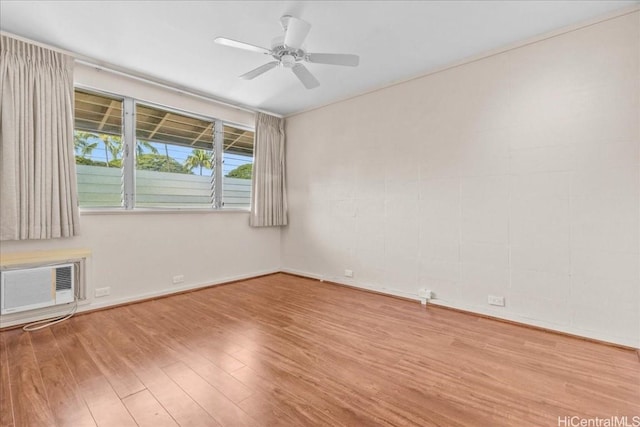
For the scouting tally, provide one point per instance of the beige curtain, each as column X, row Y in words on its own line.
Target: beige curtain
column 268, row 197
column 38, row 196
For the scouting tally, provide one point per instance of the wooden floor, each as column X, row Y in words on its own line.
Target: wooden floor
column 286, row 351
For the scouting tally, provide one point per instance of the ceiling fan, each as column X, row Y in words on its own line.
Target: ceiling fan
column 288, row 52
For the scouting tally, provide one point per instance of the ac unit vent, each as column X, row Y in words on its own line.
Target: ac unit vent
column 63, row 278
column 36, row 287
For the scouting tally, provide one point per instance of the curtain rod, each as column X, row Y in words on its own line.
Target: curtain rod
column 92, row 62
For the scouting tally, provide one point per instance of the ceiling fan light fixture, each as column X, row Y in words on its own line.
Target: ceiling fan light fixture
column 288, row 61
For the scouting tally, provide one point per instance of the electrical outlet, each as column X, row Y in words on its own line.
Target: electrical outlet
column 178, row 279
column 348, row 273
column 425, row 293
column 102, row 292
column 496, row 300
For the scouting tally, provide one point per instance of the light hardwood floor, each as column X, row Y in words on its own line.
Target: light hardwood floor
column 286, row 351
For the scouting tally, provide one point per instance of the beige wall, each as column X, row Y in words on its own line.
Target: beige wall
column 514, row 175
column 137, row 254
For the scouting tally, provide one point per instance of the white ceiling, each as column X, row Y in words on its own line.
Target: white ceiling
column 396, row 40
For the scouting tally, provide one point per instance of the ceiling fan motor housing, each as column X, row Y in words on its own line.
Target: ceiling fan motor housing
column 286, row 55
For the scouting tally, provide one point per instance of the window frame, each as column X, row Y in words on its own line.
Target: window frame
column 129, row 139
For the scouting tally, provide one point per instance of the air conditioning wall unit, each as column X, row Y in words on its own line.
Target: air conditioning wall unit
column 38, row 287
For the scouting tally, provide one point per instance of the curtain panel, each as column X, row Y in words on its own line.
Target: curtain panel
column 38, row 194
column 268, row 196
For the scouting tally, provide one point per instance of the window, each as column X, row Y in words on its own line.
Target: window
column 163, row 159
column 98, row 148
column 174, row 159
column 237, row 167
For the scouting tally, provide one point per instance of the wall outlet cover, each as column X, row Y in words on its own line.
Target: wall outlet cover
column 425, row 293
column 102, row 292
column 496, row 300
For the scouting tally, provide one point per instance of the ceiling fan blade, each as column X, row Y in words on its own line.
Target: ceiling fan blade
column 307, row 79
column 296, row 32
column 334, row 59
column 241, row 45
column 260, row 70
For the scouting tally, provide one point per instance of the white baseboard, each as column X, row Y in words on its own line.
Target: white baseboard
column 88, row 305
column 585, row 333
column 512, row 317
column 91, row 304
column 354, row 283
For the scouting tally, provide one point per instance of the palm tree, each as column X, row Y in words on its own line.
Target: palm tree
column 199, row 159
column 81, row 143
column 141, row 145
column 113, row 145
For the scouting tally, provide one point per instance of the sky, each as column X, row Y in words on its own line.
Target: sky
column 179, row 153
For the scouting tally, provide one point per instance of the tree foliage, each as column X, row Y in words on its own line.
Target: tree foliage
column 117, row 163
column 84, row 146
column 81, row 144
column 142, row 145
column 161, row 163
column 114, row 145
column 242, row 172
column 199, row 159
